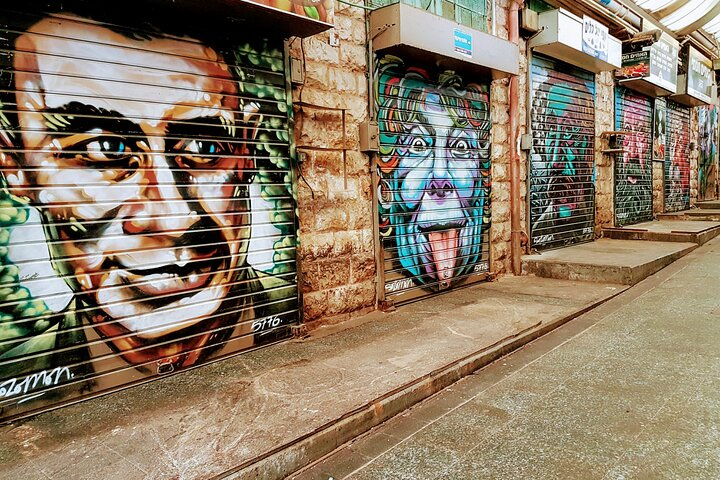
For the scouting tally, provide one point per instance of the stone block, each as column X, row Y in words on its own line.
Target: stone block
column 362, row 267
column 325, row 164
column 500, row 212
column 357, row 163
column 315, row 305
column 332, row 273
column 351, row 297
column 314, row 245
column 500, row 172
column 353, row 57
column 321, row 51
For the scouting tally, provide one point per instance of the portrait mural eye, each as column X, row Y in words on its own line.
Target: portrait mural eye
column 147, row 230
column 434, row 189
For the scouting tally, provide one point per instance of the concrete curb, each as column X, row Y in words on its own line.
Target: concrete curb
column 290, row 457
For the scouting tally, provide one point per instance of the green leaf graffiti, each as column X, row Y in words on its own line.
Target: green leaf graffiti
column 272, row 155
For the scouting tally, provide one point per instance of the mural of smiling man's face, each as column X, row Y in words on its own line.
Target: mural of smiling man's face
column 140, row 175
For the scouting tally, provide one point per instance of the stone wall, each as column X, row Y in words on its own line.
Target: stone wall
column 694, row 155
column 336, row 255
column 499, row 113
column 658, row 177
column 604, row 163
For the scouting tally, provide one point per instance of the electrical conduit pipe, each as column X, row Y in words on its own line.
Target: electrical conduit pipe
column 514, row 94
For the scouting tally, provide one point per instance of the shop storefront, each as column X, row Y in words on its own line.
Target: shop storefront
column 432, row 167
column 566, row 54
column 649, row 71
column 148, row 223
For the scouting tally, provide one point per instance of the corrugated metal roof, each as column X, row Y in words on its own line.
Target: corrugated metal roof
column 685, row 16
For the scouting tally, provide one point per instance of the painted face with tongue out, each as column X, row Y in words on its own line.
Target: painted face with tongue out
column 439, row 190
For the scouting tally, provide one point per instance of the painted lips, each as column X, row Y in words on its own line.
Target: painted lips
column 190, row 269
column 171, row 279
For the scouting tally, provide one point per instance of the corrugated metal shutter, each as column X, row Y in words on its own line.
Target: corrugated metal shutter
column 562, row 162
column 434, row 180
column 146, row 213
column 707, row 152
column 633, row 168
column 677, row 161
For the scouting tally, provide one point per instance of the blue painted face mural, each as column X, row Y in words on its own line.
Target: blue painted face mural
column 433, row 170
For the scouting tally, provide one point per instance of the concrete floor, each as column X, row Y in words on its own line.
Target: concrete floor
column 606, row 260
column 266, row 413
column 629, row 390
column 670, row 226
column 666, row 231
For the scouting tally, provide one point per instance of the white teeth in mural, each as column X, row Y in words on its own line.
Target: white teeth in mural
column 176, row 316
column 36, row 272
column 431, row 214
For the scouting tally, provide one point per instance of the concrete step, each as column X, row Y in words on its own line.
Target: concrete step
column 709, row 204
column 701, row 214
column 666, row 231
column 606, row 260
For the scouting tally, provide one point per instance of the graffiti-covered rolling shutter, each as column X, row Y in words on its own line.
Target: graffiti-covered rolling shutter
column 562, row 189
column 677, row 161
column 434, row 179
column 633, row 168
column 707, row 116
column 147, row 216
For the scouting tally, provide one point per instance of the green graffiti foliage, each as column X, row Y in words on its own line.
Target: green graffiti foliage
column 21, row 316
column 272, row 156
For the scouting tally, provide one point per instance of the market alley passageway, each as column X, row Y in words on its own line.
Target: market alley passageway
column 629, row 390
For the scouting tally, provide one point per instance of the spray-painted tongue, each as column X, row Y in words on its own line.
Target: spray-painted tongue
column 444, row 246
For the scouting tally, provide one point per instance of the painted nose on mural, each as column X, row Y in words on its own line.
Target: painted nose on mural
column 161, row 207
column 440, row 188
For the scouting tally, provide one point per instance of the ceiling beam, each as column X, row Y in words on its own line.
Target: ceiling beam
column 672, row 8
column 700, row 22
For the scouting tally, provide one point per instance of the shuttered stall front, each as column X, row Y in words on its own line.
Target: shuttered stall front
column 562, row 188
column 434, row 179
column 707, row 116
column 147, row 221
column 633, row 169
column 677, row 161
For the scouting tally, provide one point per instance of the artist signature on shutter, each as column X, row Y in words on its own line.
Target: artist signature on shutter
column 22, row 386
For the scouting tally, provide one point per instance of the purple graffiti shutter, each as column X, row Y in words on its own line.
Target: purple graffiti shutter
column 677, row 158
